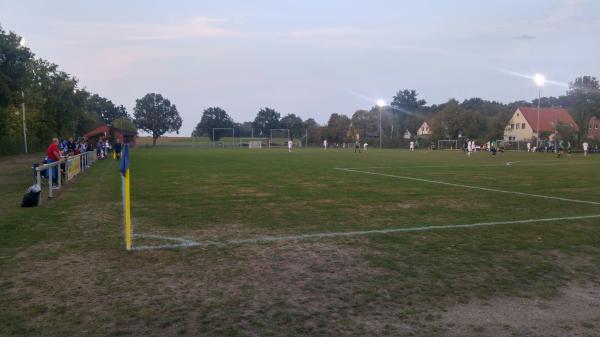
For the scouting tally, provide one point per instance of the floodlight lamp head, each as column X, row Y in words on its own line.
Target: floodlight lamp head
column 539, row 80
column 380, row 103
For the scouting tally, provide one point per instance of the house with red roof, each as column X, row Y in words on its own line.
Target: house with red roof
column 523, row 125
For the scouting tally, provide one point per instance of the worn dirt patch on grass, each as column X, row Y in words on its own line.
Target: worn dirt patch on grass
column 575, row 312
column 249, row 192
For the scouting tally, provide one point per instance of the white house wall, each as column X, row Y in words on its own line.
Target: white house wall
column 518, row 129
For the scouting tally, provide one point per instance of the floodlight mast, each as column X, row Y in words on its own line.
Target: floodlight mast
column 23, row 44
column 380, row 105
column 539, row 80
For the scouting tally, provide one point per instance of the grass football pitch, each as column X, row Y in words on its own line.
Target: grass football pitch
column 238, row 242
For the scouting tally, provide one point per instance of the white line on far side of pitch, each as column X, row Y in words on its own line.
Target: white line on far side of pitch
column 265, row 239
column 508, row 163
column 472, row 187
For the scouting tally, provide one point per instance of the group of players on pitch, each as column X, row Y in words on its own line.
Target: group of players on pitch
column 470, row 147
column 498, row 146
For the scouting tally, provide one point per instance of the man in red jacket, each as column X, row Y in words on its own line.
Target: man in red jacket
column 53, row 154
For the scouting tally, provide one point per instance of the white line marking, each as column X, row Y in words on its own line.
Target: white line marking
column 168, row 246
column 473, row 187
column 161, row 237
column 183, row 243
column 266, row 239
column 521, row 163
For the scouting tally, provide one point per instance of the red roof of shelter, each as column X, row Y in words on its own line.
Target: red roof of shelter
column 105, row 130
column 548, row 118
column 102, row 129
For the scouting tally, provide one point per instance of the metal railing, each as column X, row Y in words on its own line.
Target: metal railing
column 73, row 165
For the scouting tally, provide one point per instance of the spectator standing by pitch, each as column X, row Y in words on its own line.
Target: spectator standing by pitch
column 53, row 154
column 117, row 149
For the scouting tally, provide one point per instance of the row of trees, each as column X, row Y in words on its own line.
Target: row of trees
column 473, row 118
column 266, row 120
column 56, row 107
column 54, row 104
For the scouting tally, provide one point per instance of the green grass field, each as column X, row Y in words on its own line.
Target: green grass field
column 260, row 267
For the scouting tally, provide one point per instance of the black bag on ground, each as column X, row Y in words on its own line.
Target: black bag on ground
column 32, row 197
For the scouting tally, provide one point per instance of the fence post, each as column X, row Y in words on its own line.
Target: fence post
column 50, row 172
column 59, row 167
column 39, row 182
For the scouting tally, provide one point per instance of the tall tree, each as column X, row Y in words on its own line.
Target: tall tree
column 583, row 99
column 214, row 117
column 365, row 122
column 584, row 84
column 105, row 108
column 312, row 130
column 266, row 119
column 156, row 115
column 338, row 127
column 294, row 124
column 407, row 100
column 13, row 75
column 446, row 124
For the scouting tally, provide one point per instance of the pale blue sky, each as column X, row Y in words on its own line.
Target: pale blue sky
column 311, row 58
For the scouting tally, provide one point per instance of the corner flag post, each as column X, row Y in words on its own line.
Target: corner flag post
column 125, row 179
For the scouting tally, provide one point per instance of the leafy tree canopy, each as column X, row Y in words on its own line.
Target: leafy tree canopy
column 265, row 120
column 156, row 115
column 406, row 101
column 294, row 124
column 214, row 117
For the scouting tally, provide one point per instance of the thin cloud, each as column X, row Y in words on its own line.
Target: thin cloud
column 441, row 51
column 328, row 32
column 99, row 32
column 525, row 37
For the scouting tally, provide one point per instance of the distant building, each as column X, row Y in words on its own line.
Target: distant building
column 522, row 126
column 111, row 132
column 424, row 130
column 407, row 135
column 594, row 128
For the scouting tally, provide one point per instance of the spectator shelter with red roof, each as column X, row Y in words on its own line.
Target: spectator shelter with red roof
column 113, row 133
column 522, row 126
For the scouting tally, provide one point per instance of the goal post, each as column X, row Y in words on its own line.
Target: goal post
column 219, row 130
column 278, row 137
column 447, row 144
column 254, row 143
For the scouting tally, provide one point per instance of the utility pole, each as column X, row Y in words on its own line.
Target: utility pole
column 24, row 122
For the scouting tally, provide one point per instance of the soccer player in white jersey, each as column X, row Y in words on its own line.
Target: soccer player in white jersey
column 325, row 144
column 290, row 144
column 469, row 148
column 528, row 147
column 412, row 145
column 585, row 148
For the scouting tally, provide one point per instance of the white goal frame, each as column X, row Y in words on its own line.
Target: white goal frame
column 232, row 135
column 264, row 141
column 271, row 135
column 448, row 141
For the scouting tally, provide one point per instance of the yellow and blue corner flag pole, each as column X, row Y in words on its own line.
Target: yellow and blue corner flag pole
column 124, row 168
